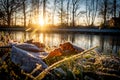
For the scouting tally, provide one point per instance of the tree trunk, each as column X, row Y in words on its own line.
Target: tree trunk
column 9, row 20
column 94, row 12
column 61, row 15
column 105, row 11
column 68, row 12
column 15, row 18
column 8, row 14
column 114, row 4
column 24, row 13
column 44, row 11
column 87, row 13
column 73, row 15
column 53, row 15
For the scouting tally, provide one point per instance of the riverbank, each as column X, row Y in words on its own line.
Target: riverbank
column 87, row 66
column 73, row 30
column 12, row 29
column 85, row 30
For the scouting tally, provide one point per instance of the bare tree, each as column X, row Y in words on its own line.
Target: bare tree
column 54, row 9
column 24, row 12
column 115, row 8
column 94, row 10
column 61, row 11
column 75, row 7
column 105, row 10
column 88, row 12
column 68, row 6
column 9, row 7
column 44, row 10
column 35, row 4
column 91, row 11
column 114, row 4
column 1, row 17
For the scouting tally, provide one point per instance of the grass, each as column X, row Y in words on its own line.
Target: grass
column 75, row 67
column 74, row 57
column 10, row 71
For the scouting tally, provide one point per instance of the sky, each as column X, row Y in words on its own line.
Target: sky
column 81, row 20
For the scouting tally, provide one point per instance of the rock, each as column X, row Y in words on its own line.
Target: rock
column 55, row 53
column 26, row 60
column 38, row 44
column 67, row 46
column 65, row 49
column 88, row 78
column 60, row 71
column 29, row 41
column 110, row 62
column 70, row 47
column 30, row 47
column 78, row 49
column 91, row 60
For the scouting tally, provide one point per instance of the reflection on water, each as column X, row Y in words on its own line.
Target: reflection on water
column 108, row 44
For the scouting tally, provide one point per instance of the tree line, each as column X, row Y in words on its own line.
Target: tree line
column 68, row 12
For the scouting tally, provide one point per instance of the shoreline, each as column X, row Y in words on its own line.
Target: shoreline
column 64, row 30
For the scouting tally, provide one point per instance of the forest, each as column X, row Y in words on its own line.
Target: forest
column 66, row 13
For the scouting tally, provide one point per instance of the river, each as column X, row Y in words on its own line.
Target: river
column 108, row 44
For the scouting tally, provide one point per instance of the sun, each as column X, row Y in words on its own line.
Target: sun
column 41, row 22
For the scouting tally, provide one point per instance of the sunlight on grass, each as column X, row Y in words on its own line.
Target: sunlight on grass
column 43, row 73
column 83, row 66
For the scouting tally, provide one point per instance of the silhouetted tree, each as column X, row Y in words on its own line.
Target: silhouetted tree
column 62, row 14
column 54, row 9
column 91, row 11
column 24, row 12
column 75, row 7
column 9, row 7
column 68, row 10
column 1, row 17
column 94, row 10
column 44, row 10
column 114, row 4
column 88, row 10
column 35, row 6
column 115, row 7
column 104, row 9
column 61, row 11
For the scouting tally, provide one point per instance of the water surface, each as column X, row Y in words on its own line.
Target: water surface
column 109, row 44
